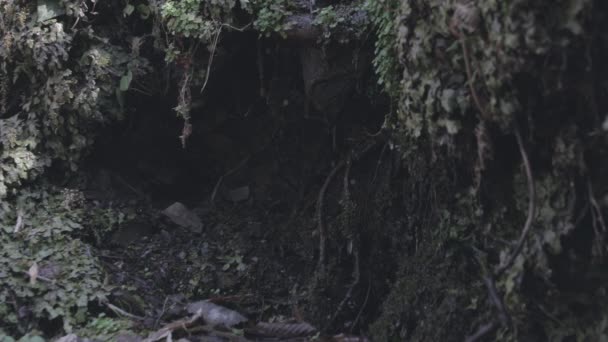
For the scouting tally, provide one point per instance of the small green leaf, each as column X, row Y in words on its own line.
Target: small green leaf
column 48, row 9
column 28, row 338
column 125, row 81
column 128, row 10
column 144, row 11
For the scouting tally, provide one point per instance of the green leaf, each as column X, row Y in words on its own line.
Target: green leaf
column 144, row 11
column 48, row 9
column 28, row 338
column 245, row 5
column 128, row 10
column 125, row 81
column 448, row 100
column 120, row 98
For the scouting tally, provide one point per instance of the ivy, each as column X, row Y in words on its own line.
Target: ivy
column 385, row 22
column 271, row 16
column 184, row 18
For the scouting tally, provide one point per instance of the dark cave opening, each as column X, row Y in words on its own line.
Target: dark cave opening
column 259, row 151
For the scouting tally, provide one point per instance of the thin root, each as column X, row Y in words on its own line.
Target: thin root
column 482, row 331
column 531, row 206
column 597, row 219
column 321, row 226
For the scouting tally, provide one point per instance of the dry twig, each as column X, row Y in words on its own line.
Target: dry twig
column 122, row 312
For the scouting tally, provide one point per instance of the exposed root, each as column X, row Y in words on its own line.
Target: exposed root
column 384, row 148
column 369, row 290
column 240, row 165
column 531, row 207
column 488, row 279
column 319, row 214
column 349, row 293
column 214, row 47
column 597, row 220
column 480, row 133
column 260, row 63
column 482, row 331
column 496, row 300
column 211, row 55
column 320, row 223
column 493, row 296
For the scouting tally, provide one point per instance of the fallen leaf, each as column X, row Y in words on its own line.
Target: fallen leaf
column 180, row 215
column 214, row 314
column 19, row 223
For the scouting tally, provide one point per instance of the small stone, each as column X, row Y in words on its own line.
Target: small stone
column 182, row 216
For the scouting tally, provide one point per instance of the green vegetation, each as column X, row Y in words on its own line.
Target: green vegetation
column 271, row 16
column 474, row 73
column 494, row 217
column 384, row 19
column 48, row 273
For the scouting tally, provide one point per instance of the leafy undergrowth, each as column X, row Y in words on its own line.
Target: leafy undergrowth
column 75, row 260
column 49, row 276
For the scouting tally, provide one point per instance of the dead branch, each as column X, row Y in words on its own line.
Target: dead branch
column 123, row 313
column 39, row 277
column 167, row 331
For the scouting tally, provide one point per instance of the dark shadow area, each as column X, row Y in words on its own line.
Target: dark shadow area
column 251, row 171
